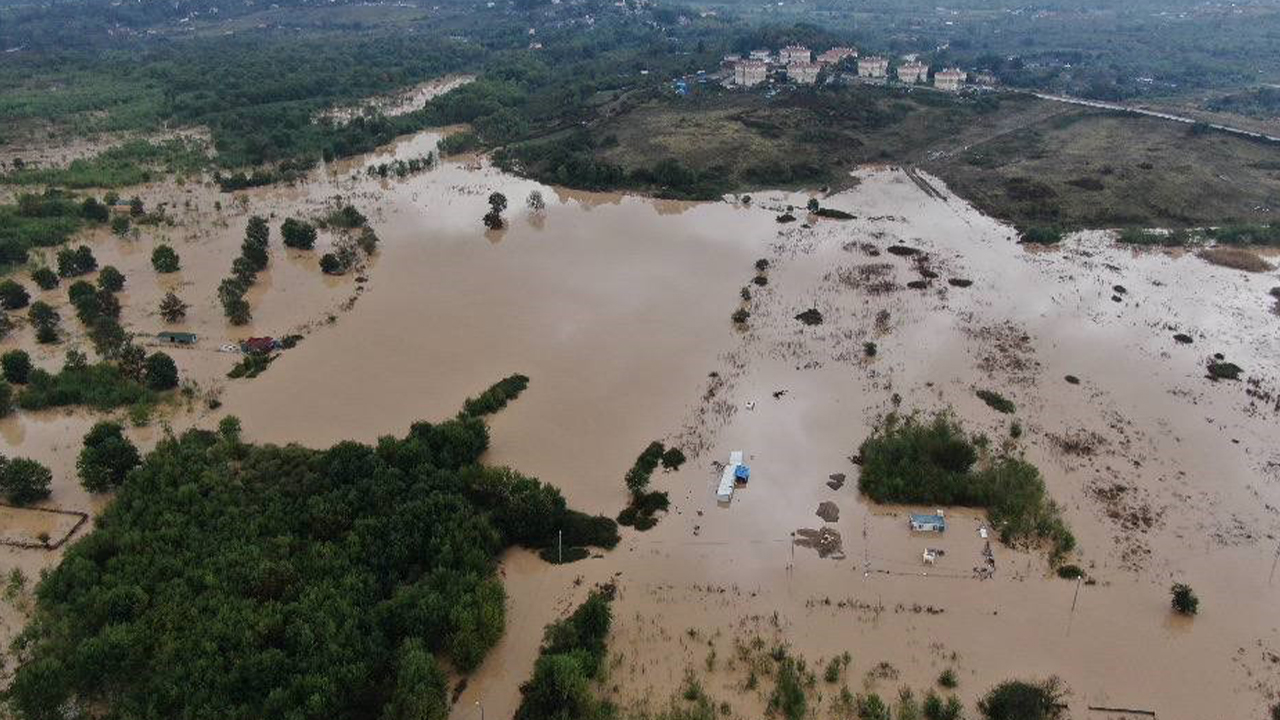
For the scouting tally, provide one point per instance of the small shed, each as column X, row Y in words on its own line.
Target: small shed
column 178, row 338
column 927, row 523
column 741, row 474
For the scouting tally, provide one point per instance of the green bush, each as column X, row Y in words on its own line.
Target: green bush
column 1184, row 599
column 24, row 481
column 13, row 296
column 110, row 279
column 102, row 387
column 996, row 401
column 17, row 366
column 1018, row 700
column 1042, row 235
column 161, row 372
column 298, row 234
column 44, row 278
column 165, row 259
column 107, row 457
column 948, row 679
column 788, row 696
column 496, row 396
column 1224, row 370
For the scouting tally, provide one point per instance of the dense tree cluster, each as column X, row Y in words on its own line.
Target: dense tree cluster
column 253, row 259
column 329, row 581
column 107, row 457
column 133, row 378
column 910, row 460
column 573, row 655
column 37, row 220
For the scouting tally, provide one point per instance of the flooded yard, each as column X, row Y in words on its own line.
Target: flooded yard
column 619, row 310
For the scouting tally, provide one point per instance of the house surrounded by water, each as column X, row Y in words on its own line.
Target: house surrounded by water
column 927, row 523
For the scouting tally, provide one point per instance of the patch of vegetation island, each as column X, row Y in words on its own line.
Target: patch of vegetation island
column 959, row 282
column 496, row 396
column 933, row 462
column 641, row 510
column 996, row 401
column 387, row 552
column 810, row 317
column 1235, row 258
column 573, row 655
column 1219, row 370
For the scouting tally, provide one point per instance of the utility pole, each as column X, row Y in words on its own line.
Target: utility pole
column 559, row 561
column 481, row 709
column 1073, row 607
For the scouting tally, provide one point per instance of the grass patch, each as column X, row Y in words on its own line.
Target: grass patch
column 1042, row 235
column 996, row 401
column 934, row 462
column 130, row 163
column 1235, row 258
column 1136, row 236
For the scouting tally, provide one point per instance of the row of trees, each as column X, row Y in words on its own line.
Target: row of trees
column 253, row 258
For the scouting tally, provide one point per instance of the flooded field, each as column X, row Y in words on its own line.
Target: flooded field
column 618, row 309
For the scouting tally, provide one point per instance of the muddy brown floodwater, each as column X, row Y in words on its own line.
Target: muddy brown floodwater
column 619, row 308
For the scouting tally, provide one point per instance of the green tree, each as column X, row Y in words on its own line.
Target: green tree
column 110, row 279
column 45, row 320
column 136, row 208
column 17, row 366
column 1184, row 599
column 258, row 231
column 44, row 278
column 1018, row 700
column 298, row 234
column 24, row 481
column 172, row 308
column 13, row 296
column 420, row 686
column 94, row 211
column 106, row 458
column 161, row 372
column 330, row 265
column 165, row 259
column 120, row 225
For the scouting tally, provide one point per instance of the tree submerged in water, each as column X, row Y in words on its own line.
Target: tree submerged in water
column 493, row 219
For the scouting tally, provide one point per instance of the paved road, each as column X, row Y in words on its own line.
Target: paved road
column 1155, row 114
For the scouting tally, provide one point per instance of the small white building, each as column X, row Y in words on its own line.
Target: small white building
column 913, row 72
column 748, row 73
column 950, row 79
column 873, row 66
column 762, row 55
column 805, row 73
column 794, row 53
column 836, row 54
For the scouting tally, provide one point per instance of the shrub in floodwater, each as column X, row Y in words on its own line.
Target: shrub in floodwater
column 948, row 679
column 996, row 401
column 1224, row 371
column 1184, row 600
column 1042, row 235
column 1019, row 700
column 935, row 708
column 740, row 316
column 762, row 264
column 673, row 458
column 869, row 349
column 496, row 396
column 788, row 696
column 165, row 259
column 1070, row 572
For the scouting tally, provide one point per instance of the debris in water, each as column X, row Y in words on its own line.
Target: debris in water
column 836, row 481
column 959, row 282
column 902, row 250
column 918, row 284
column 1183, row 338
column 828, row 511
column 826, row 541
column 1072, row 379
